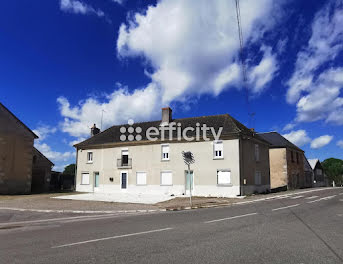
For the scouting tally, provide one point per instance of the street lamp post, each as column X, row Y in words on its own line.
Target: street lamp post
column 189, row 159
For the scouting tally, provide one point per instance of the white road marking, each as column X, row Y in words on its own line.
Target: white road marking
column 229, row 218
column 113, row 237
column 297, row 197
column 80, row 211
column 57, row 219
column 281, row 208
column 311, row 197
column 323, row 199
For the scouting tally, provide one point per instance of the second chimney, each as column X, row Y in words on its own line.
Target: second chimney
column 94, row 130
column 166, row 115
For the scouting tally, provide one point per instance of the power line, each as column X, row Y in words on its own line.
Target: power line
column 244, row 69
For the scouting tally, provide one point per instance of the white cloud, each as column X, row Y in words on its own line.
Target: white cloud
column 261, row 74
column 193, row 46
column 318, row 98
column 320, row 142
column 340, row 143
column 44, row 131
column 119, row 106
column 120, row 2
column 298, row 137
column 76, row 141
column 289, row 126
column 78, row 7
column 54, row 156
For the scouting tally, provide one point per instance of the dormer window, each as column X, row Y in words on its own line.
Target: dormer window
column 218, row 150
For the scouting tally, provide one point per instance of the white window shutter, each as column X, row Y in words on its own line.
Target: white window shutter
column 166, row 178
column 141, row 178
column 224, row 177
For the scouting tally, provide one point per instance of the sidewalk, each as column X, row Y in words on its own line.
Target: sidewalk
column 49, row 203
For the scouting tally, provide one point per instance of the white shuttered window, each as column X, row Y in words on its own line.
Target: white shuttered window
column 223, row 177
column 218, row 149
column 166, row 178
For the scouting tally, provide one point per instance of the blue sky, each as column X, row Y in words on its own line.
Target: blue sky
column 64, row 61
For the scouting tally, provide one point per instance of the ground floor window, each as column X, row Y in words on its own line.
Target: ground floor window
column 85, row 178
column 223, row 177
column 257, row 177
column 141, row 178
column 166, row 178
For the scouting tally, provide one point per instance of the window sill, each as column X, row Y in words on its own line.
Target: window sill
column 166, row 184
column 165, row 159
column 89, row 162
column 225, row 185
column 218, row 158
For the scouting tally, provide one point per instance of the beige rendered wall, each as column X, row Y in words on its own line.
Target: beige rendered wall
column 16, row 145
column 250, row 165
column 278, row 168
column 147, row 158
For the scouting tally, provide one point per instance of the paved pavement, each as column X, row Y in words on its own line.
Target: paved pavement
column 120, row 197
column 304, row 228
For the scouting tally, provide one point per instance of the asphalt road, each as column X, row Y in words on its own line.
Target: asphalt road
column 304, row 228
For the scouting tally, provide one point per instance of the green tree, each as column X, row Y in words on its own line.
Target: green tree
column 334, row 169
column 70, row 169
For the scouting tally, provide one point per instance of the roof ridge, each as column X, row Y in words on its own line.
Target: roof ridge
column 15, row 117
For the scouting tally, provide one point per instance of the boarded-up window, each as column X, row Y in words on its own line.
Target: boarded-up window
column 85, row 178
column 141, row 178
column 223, row 177
column 166, row 178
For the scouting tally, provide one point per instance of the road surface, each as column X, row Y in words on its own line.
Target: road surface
column 302, row 228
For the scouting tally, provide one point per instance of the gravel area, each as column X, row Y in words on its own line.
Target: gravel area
column 45, row 202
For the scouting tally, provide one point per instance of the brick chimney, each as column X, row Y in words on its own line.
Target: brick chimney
column 94, row 130
column 166, row 115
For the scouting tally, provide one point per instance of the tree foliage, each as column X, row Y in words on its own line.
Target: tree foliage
column 70, row 169
column 334, row 169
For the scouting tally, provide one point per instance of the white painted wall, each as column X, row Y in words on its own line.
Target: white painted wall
column 148, row 158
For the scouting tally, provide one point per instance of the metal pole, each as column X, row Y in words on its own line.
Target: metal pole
column 190, row 185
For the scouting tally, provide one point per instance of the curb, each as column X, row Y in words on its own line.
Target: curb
column 82, row 211
column 247, row 202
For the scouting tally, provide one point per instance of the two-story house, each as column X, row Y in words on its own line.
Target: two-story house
column 286, row 162
column 124, row 159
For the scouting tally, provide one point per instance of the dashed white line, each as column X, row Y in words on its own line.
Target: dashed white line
column 281, row 208
column 311, row 197
column 229, row 218
column 323, row 199
column 297, row 197
column 113, row 237
column 93, row 217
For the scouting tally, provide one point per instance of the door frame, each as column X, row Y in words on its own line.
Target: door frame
column 121, row 179
column 96, row 189
column 193, row 189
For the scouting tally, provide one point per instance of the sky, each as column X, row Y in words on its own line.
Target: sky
column 65, row 63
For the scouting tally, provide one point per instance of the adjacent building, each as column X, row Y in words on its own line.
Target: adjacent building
column 41, row 172
column 319, row 178
column 124, row 159
column 22, row 167
column 286, row 162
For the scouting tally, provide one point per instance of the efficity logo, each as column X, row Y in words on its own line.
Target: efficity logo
column 168, row 132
